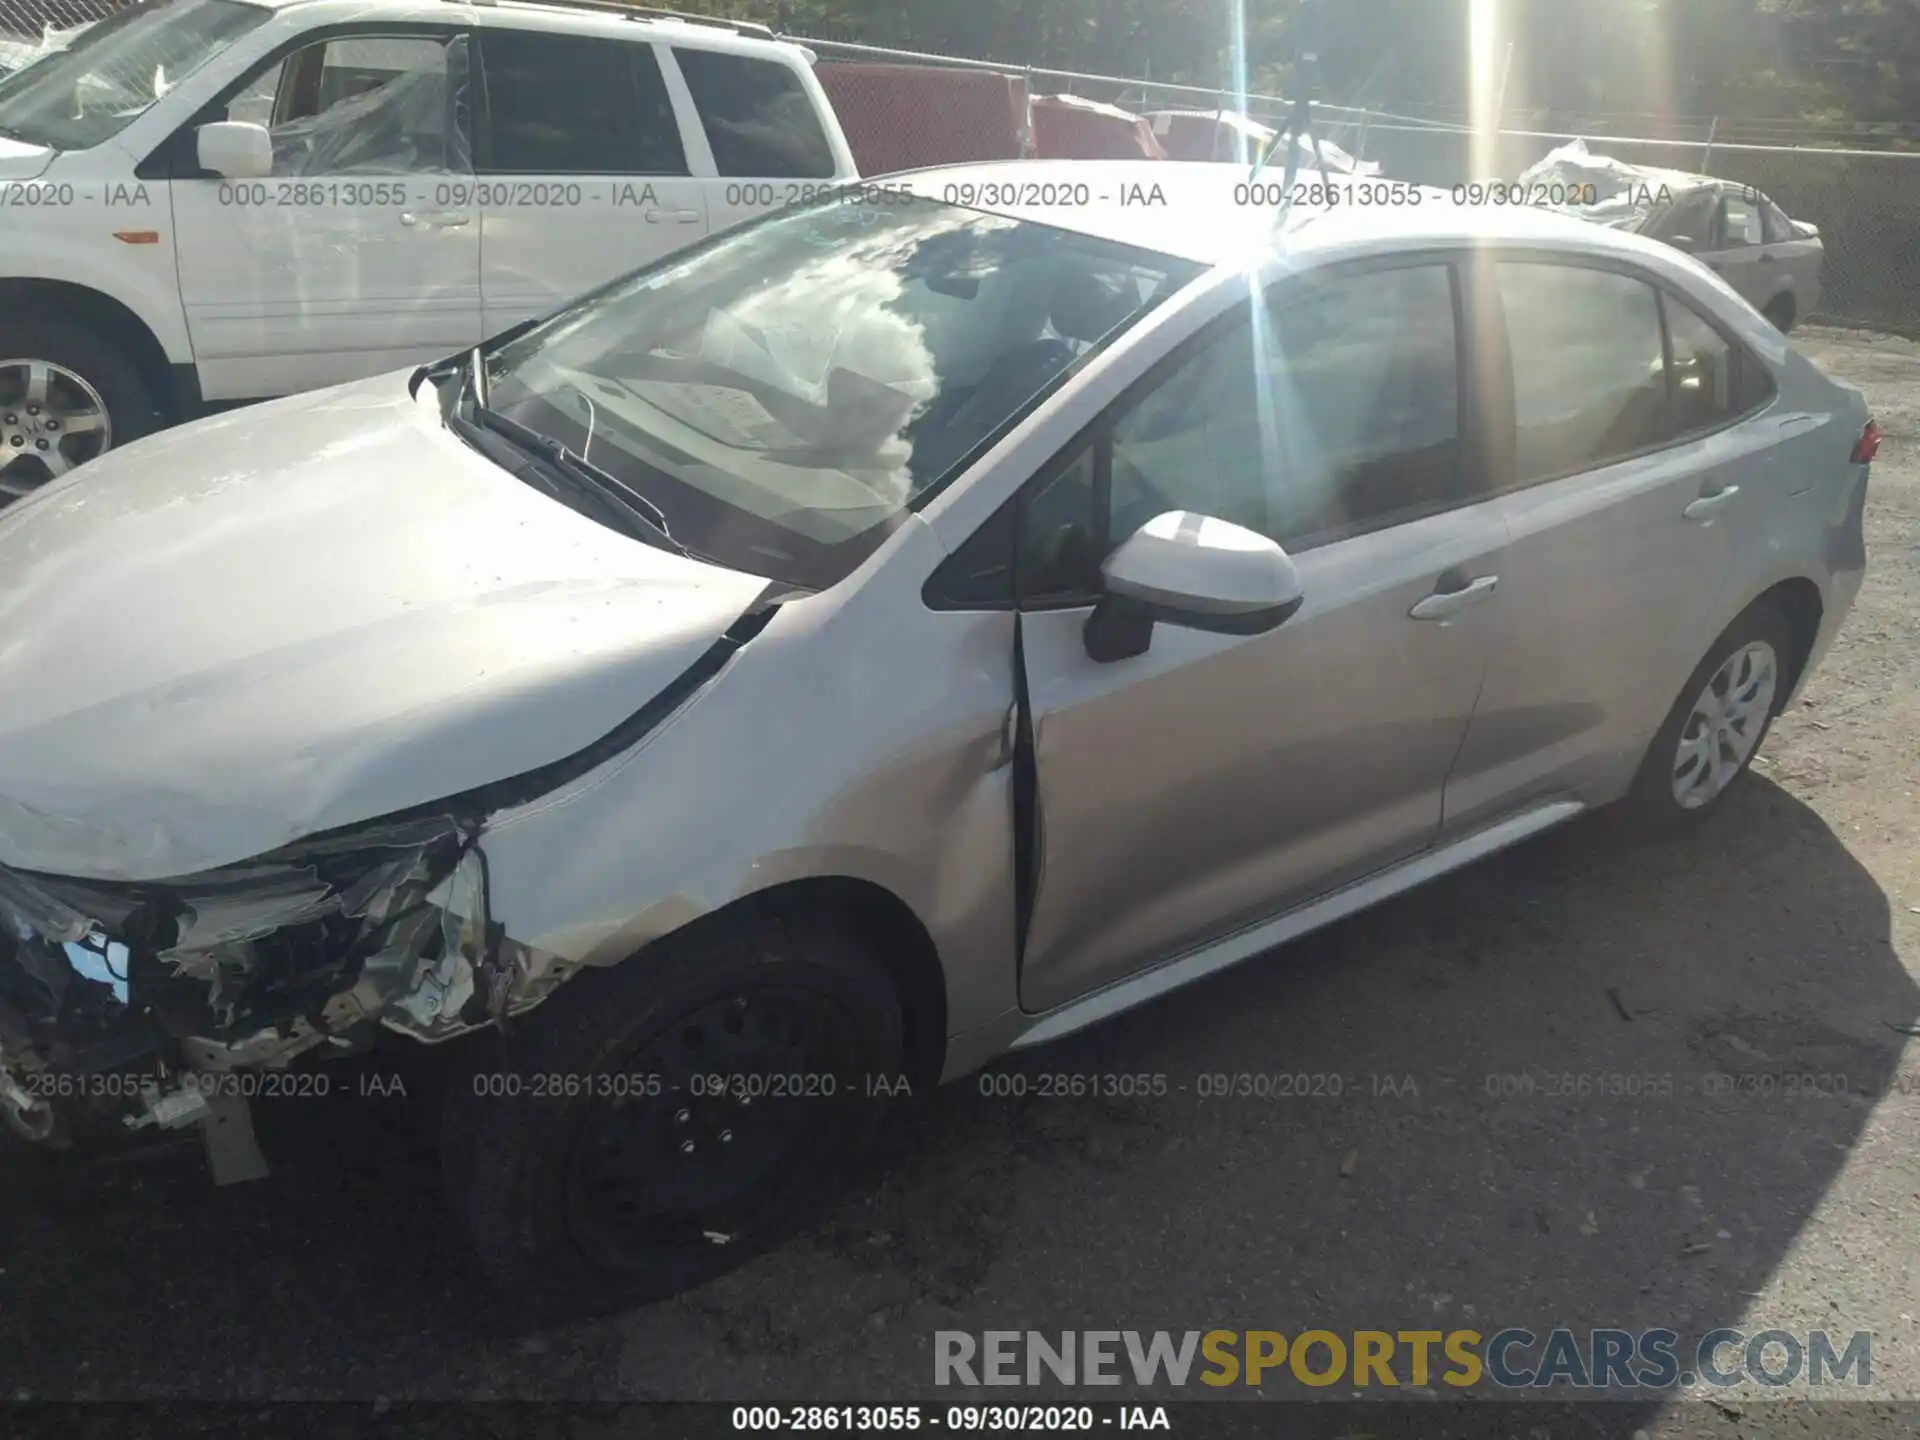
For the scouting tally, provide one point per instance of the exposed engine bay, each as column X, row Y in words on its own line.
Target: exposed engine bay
column 118, row 1000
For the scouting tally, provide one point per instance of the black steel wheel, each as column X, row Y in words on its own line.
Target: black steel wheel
column 655, row 1125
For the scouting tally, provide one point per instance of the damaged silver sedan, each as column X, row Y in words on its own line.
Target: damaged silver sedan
column 891, row 634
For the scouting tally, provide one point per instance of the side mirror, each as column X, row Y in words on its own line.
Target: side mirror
column 237, row 149
column 1187, row 569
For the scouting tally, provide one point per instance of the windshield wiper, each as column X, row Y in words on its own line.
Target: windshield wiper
column 470, row 413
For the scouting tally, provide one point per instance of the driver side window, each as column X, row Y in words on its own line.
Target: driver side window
column 1333, row 412
column 362, row 104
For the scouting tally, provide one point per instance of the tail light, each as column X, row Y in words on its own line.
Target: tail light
column 1868, row 445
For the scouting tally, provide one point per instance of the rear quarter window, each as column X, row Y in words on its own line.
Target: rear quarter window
column 760, row 120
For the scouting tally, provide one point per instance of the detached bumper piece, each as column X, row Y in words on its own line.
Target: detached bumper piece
column 116, row 1001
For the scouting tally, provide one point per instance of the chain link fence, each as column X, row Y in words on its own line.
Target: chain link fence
column 29, row 27
column 1864, row 197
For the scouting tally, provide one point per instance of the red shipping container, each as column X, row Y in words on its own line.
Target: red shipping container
column 904, row 117
column 1068, row 127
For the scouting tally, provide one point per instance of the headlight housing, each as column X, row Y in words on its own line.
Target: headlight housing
column 251, row 963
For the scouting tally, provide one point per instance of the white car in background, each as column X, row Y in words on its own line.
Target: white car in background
column 225, row 200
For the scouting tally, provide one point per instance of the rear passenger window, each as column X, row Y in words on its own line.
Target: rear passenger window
column 758, row 116
column 1740, row 223
column 1779, row 229
column 568, row 105
column 1714, row 382
column 1589, row 369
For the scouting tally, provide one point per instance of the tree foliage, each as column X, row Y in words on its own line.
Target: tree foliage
column 1852, row 59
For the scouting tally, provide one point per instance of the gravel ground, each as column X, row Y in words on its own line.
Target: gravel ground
column 1781, row 941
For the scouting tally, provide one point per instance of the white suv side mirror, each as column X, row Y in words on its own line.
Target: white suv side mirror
column 237, row 149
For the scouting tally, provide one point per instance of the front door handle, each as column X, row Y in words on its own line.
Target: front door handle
column 1708, row 506
column 684, row 217
column 1445, row 604
column 436, row 219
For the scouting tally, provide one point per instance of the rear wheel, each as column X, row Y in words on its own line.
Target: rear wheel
column 1780, row 311
column 67, row 396
column 1717, row 724
column 652, row 1127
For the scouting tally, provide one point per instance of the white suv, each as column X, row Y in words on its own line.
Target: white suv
column 221, row 200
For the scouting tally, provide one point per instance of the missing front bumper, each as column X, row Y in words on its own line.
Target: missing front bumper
column 300, row 956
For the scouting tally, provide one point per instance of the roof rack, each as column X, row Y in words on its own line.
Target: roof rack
column 645, row 12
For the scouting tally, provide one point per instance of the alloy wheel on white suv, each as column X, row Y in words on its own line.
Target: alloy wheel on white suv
column 51, row 419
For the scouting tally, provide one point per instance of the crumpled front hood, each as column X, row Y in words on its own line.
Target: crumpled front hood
column 303, row 615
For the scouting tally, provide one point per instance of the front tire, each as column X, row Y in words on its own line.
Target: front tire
column 1717, row 724
column 67, row 396
column 653, row 1126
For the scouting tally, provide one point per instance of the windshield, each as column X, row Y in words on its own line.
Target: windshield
column 109, row 73
column 786, row 393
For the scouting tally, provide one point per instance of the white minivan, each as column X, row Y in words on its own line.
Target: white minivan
column 207, row 201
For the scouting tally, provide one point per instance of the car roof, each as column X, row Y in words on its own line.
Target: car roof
column 584, row 16
column 1200, row 210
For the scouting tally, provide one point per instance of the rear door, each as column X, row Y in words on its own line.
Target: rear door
column 1216, row 780
column 582, row 173
column 755, row 131
column 1624, row 489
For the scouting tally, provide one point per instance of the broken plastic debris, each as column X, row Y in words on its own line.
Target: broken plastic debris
column 172, row 1111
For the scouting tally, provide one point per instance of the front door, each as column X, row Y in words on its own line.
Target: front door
column 360, row 253
column 1217, row 780
column 583, row 175
column 1740, row 251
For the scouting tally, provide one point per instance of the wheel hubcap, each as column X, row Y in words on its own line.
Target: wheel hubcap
column 744, row 1087
column 1724, row 725
column 51, row 420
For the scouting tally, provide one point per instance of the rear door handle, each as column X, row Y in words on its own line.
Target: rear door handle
column 436, row 219
column 1445, row 604
column 684, row 217
column 1708, row 506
